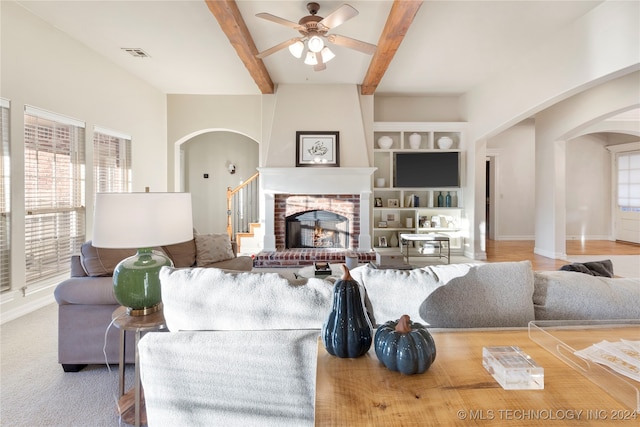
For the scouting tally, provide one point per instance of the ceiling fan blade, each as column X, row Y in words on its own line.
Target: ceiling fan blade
column 281, row 21
column 338, row 16
column 358, row 45
column 321, row 65
column 277, row 47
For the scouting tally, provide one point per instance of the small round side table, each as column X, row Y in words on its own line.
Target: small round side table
column 138, row 324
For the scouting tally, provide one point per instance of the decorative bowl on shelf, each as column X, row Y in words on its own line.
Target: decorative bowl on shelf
column 385, row 142
column 445, row 142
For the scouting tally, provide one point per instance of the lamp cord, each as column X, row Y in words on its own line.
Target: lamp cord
column 106, row 361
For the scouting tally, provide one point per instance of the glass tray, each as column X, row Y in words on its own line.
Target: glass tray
column 563, row 337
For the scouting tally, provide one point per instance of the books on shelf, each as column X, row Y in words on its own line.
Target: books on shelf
column 411, row 201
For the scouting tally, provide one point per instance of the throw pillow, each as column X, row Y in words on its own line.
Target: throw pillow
column 390, row 293
column 99, row 262
column 212, row 248
column 182, row 254
column 489, row 295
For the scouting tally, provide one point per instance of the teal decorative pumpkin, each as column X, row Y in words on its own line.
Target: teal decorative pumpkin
column 347, row 331
column 405, row 346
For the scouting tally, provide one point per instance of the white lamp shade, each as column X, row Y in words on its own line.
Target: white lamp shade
column 315, row 44
column 327, row 54
column 310, row 59
column 296, row 49
column 141, row 220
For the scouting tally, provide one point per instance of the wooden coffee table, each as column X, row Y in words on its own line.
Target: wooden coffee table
column 457, row 390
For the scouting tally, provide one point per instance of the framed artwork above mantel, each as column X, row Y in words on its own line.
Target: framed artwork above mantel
column 317, row 148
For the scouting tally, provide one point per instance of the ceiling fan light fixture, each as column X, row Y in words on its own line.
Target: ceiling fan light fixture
column 315, row 44
column 296, row 49
column 327, row 54
column 311, row 59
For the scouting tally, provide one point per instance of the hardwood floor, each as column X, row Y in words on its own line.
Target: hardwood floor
column 520, row 250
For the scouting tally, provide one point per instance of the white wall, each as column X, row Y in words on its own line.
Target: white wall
column 43, row 67
column 210, row 153
column 554, row 127
column 588, row 183
column 588, row 192
column 514, row 151
column 319, row 108
column 599, row 47
column 192, row 115
column 417, row 108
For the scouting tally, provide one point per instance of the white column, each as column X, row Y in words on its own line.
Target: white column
column 364, row 239
column 269, row 243
column 550, row 178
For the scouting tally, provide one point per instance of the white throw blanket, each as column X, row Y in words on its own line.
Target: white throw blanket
column 229, row 378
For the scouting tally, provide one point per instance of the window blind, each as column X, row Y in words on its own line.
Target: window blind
column 111, row 161
column 54, row 192
column 5, row 198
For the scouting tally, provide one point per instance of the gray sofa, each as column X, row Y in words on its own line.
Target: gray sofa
column 241, row 350
column 86, row 302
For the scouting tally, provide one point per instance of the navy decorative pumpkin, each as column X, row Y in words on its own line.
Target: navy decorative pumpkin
column 347, row 332
column 405, row 346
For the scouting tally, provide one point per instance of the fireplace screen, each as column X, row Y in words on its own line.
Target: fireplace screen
column 317, row 229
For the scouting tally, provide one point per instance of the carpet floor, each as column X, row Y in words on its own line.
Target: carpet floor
column 34, row 389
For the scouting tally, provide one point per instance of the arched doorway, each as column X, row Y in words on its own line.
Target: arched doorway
column 202, row 168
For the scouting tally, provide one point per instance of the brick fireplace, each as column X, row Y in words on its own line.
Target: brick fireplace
column 342, row 205
column 288, row 191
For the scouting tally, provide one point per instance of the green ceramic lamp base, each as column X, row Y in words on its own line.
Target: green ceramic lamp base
column 136, row 281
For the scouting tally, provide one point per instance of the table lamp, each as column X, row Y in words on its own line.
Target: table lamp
column 141, row 221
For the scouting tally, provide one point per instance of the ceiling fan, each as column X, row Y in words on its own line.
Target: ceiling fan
column 314, row 29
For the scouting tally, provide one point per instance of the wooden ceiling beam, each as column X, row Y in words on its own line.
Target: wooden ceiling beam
column 400, row 18
column 233, row 25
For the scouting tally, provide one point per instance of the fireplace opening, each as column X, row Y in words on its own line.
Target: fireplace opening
column 316, row 229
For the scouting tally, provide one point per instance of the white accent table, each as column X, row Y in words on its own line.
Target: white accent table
column 437, row 240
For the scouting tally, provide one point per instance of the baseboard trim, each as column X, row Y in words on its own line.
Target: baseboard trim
column 549, row 254
column 26, row 308
column 515, row 237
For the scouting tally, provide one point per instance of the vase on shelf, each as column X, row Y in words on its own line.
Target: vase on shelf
column 447, row 199
column 414, row 140
column 393, row 241
column 440, row 199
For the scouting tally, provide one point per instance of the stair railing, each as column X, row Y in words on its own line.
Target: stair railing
column 242, row 206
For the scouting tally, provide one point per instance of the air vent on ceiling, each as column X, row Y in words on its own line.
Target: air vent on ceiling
column 136, row 52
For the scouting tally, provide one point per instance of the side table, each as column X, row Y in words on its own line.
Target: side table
column 131, row 404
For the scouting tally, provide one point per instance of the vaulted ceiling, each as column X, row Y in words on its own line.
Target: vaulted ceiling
column 209, row 46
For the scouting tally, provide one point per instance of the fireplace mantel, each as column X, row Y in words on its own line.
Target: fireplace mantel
column 316, row 180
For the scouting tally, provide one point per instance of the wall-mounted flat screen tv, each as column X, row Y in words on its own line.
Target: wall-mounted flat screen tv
column 430, row 169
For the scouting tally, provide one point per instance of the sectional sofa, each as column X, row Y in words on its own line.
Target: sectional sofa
column 241, row 350
column 86, row 301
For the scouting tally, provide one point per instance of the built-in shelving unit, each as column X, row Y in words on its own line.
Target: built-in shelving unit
column 420, row 209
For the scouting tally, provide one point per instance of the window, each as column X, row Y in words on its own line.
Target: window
column 54, row 192
column 111, row 161
column 5, row 199
column 629, row 181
